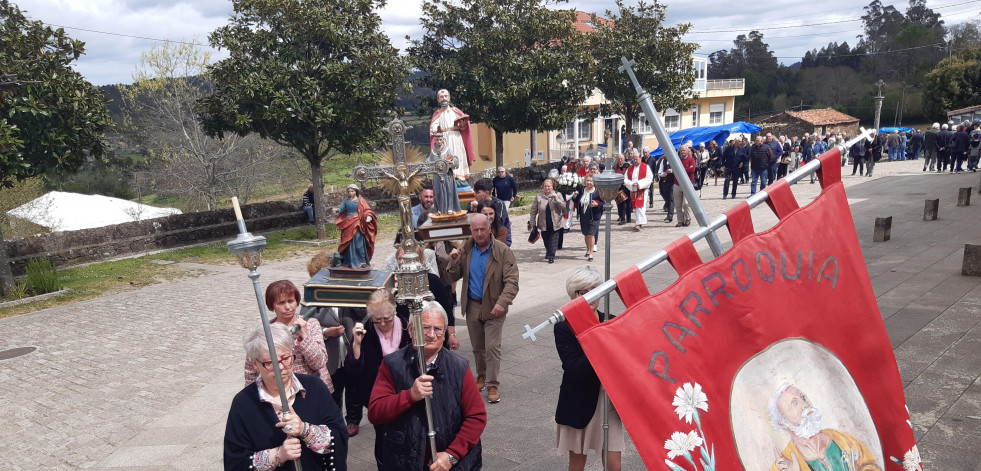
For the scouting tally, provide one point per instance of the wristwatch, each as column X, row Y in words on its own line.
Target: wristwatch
column 453, row 460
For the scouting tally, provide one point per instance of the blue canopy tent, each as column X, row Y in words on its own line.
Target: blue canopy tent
column 719, row 134
column 892, row 130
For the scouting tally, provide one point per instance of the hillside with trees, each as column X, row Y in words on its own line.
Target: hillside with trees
column 913, row 52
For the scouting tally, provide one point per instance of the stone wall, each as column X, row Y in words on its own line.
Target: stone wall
column 785, row 125
column 102, row 243
column 86, row 245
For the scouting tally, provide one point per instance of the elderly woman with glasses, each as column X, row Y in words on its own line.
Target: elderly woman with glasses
column 283, row 298
column 579, row 412
column 258, row 437
column 386, row 333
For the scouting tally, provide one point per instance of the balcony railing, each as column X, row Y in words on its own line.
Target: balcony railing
column 726, row 84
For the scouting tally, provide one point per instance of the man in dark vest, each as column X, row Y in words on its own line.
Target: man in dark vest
column 398, row 410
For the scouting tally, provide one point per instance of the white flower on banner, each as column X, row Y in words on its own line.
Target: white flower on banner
column 911, row 460
column 688, row 398
column 682, row 444
column 687, row 401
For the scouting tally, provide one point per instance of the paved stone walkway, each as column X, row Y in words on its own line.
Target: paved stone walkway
column 143, row 380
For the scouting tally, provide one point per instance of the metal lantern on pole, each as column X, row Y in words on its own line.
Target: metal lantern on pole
column 607, row 183
column 247, row 248
column 413, row 289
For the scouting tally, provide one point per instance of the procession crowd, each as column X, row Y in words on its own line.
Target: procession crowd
column 357, row 359
column 331, row 364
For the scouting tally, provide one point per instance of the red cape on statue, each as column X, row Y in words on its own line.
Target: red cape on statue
column 464, row 132
column 348, row 225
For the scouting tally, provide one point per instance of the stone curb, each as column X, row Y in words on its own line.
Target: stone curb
column 42, row 297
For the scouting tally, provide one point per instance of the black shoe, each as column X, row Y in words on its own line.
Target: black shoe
column 667, row 219
column 551, row 260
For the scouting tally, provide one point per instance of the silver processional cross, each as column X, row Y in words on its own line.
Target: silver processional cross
column 400, row 171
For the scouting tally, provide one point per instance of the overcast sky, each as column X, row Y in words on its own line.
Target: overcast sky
column 790, row 27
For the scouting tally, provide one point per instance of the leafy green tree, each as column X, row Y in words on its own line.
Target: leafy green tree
column 515, row 65
column 51, row 118
column 954, row 83
column 751, row 59
column 663, row 59
column 316, row 75
column 748, row 53
column 963, row 35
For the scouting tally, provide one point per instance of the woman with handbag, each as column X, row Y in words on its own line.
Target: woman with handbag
column 546, row 216
column 589, row 207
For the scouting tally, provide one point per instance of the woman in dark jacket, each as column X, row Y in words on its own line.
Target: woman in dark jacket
column 589, row 206
column 386, row 333
column 579, row 412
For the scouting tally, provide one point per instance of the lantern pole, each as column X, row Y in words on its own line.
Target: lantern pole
column 607, row 183
column 247, row 248
column 413, row 288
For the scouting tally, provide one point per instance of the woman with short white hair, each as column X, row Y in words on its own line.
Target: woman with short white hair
column 258, row 437
column 579, row 412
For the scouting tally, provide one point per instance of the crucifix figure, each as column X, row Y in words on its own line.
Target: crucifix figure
column 399, row 177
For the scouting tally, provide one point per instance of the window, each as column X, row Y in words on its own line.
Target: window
column 642, row 125
column 585, row 128
column 717, row 113
column 672, row 120
column 694, row 116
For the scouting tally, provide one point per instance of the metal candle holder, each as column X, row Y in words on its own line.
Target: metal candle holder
column 413, row 285
column 247, row 248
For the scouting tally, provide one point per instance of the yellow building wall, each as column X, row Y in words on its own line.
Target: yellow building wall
column 516, row 143
column 514, row 147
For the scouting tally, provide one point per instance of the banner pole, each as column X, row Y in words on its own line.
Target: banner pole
column 702, row 232
column 687, row 186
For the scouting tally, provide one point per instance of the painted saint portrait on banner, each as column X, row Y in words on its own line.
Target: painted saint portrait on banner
column 798, row 408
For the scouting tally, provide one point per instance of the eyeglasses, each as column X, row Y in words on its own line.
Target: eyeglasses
column 283, row 362
column 434, row 329
column 383, row 320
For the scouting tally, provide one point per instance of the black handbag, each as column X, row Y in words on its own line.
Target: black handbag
column 534, row 236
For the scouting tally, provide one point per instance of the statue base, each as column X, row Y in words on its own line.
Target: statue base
column 438, row 232
column 326, row 290
column 349, row 272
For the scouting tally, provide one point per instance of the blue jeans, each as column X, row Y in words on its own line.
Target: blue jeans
column 757, row 175
column 309, row 211
column 893, row 153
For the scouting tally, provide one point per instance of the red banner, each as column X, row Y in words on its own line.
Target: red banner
column 771, row 356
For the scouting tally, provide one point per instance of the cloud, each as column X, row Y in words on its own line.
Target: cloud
column 787, row 25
